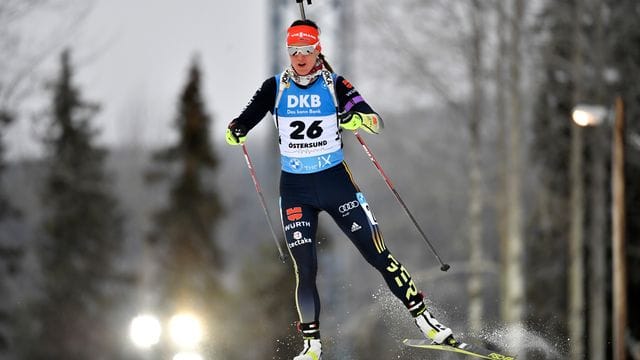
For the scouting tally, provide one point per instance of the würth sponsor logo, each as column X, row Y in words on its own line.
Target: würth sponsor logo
column 297, row 224
column 294, row 213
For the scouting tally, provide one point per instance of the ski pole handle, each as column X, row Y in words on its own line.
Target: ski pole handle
column 252, row 172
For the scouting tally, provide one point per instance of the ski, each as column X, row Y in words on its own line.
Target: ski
column 460, row 348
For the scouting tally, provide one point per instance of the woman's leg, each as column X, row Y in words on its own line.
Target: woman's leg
column 300, row 223
column 356, row 220
column 361, row 227
column 350, row 210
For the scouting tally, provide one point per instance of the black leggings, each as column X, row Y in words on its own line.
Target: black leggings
column 302, row 197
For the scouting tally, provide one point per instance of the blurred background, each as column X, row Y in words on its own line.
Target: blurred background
column 130, row 230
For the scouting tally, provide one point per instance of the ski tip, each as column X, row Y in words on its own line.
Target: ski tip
column 460, row 347
column 417, row 342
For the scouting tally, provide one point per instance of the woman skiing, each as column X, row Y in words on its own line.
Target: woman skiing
column 311, row 106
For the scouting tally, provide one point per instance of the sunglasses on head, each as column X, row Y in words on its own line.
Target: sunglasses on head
column 302, row 49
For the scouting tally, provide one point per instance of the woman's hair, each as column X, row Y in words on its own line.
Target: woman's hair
column 305, row 22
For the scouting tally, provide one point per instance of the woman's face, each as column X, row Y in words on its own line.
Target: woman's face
column 303, row 63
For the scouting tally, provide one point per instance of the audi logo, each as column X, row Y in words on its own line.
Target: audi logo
column 348, row 206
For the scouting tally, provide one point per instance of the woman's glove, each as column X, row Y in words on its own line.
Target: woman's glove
column 354, row 120
column 236, row 134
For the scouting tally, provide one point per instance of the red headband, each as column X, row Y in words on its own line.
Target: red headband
column 303, row 34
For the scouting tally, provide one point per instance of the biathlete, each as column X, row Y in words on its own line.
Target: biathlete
column 311, row 106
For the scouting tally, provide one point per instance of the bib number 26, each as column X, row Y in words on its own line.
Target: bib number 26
column 313, row 131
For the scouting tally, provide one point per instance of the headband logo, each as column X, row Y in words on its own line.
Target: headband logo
column 302, row 34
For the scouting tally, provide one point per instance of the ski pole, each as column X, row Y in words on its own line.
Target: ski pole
column 443, row 267
column 262, row 201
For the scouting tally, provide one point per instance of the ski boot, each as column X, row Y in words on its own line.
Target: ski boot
column 312, row 350
column 429, row 326
column 312, row 347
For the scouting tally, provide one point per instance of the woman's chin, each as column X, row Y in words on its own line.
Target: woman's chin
column 301, row 71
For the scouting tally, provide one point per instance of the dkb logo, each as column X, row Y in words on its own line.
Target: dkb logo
column 303, row 101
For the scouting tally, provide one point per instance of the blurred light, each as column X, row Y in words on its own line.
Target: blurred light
column 144, row 331
column 187, row 356
column 635, row 140
column 583, row 118
column 588, row 115
column 186, row 330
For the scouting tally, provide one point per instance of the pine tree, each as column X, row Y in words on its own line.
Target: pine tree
column 6, row 209
column 83, row 233
column 184, row 230
column 10, row 253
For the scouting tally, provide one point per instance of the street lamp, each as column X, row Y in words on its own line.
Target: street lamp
column 589, row 115
column 144, row 331
column 186, row 330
